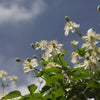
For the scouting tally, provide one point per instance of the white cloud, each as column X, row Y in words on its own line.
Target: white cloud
column 16, row 12
column 23, row 88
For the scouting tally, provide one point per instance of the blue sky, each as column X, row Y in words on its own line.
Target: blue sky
column 23, row 22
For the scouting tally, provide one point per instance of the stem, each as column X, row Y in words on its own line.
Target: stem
column 36, row 69
column 61, row 63
column 3, row 86
column 3, row 89
column 38, row 53
column 78, row 33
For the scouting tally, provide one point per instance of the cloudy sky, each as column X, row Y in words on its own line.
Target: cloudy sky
column 23, row 22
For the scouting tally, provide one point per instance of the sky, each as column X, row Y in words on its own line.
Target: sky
column 23, row 22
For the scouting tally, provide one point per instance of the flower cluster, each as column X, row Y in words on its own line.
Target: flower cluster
column 4, row 76
column 5, row 82
column 50, row 50
column 91, row 58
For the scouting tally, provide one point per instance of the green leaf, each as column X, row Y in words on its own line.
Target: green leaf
column 59, row 92
column 25, row 97
column 39, row 74
column 43, row 63
column 54, row 79
column 80, row 73
column 32, row 88
column 37, row 96
column 48, row 72
column 93, row 84
column 62, row 55
column 53, row 69
column 12, row 95
column 45, row 88
column 81, row 52
column 48, row 96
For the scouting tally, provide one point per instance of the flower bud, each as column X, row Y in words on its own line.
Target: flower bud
column 18, row 60
column 32, row 45
column 67, row 18
column 37, row 44
column 34, row 56
column 98, row 8
column 29, row 59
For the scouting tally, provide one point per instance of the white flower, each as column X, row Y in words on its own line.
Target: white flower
column 86, row 46
column 77, row 65
column 55, row 52
column 13, row 79
column 29, row 66
column 74, row 43
column 46, row 56
column 54, row 48
column 42, row 44
column 54, row 44
column 3, row 75
column 90, row 63
column 86, row 64
column 74, row 57
column 97, row 50
column 91, row 36
column 52, row 64
column 70, row 26
column 2, row 95
column 51, row 49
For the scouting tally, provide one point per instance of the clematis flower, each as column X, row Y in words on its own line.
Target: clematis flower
column 42, row 44
column 74, row 43
column 91, row 39
column 91, row 36
column 52, row 64
column 54, row 48
column 70, row 26
column 13, row 79
column 75, row 55
column 3, row 75
column 30, row 65
column 46, row 56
